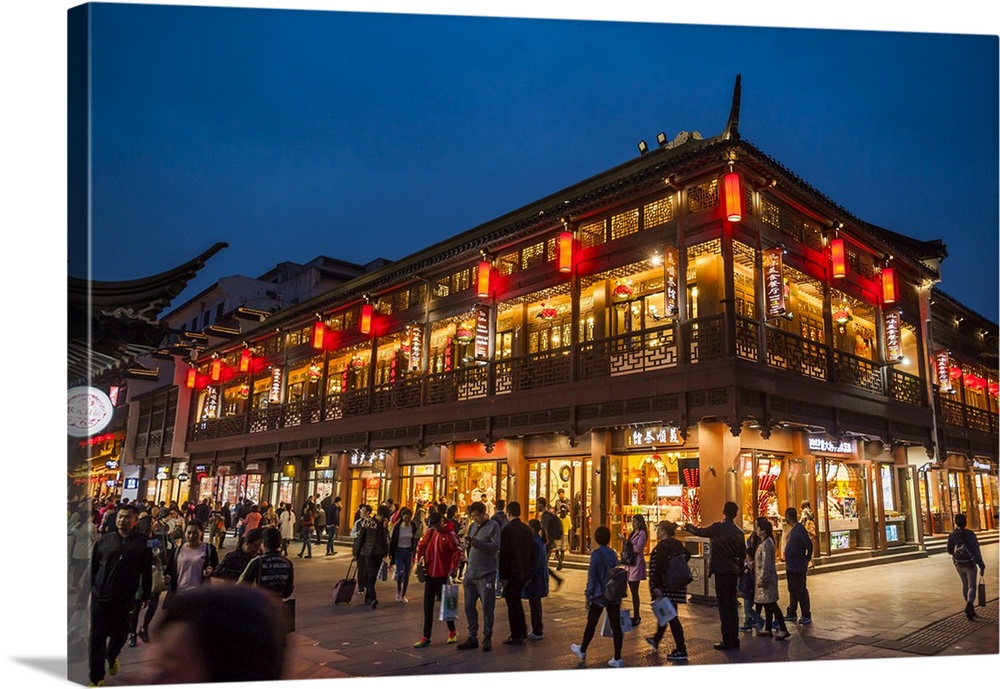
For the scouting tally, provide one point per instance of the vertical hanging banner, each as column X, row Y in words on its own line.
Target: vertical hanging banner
column 415, row 337
column 211, row 409
column 893, row 346
column 941, row 370
column 274, row 397
column 774, row 282
column 482, row 348
column 670, row 281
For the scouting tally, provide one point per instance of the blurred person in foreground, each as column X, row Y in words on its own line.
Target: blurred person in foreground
column 192, row 650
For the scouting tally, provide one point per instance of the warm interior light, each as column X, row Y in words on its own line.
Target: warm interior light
column 483, row 279
column 366, row 319
column 890, row 289
column 838, row 257
column 733, row 196
column 564, row 256
column 318, row 335
column 246, row 358
column 216, row 370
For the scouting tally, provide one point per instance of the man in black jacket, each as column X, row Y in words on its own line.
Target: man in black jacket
column 234, row 563
column 728, row 550
column 372, row 547
column 517, row 550
column 121, row 565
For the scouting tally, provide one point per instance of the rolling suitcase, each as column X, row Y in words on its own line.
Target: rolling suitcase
column 343, row 590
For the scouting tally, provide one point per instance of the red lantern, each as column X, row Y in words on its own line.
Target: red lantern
column 890, row 288
column 733, row 196
column 366, row 319
column 954, row 372
column 483, row 276
column 246, row 359
column 192, row 378
column 995, row 389
column 970, row 380
column 318, row 335
column 564, row 254
column 980, row 383
column 216, row 370
column 838, row 257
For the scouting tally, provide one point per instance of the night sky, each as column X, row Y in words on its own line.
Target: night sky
column 290, row 134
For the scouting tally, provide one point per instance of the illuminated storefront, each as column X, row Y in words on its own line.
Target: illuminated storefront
column 475, row 475
column 369, row 483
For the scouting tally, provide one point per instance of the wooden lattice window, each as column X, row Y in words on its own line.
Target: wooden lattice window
column 770, row 213
column 703, row 196
column 658, row 212
column 533, row 255
column 461, row 281
column 624, row 224
column 507, row 264
column 442, row 288
column 592, row 234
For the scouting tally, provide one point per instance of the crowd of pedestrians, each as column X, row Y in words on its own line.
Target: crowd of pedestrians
column 130, row 560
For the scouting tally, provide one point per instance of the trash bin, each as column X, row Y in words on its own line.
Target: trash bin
column 702, row 590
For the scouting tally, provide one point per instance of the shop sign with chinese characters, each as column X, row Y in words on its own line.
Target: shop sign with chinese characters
column 893, row 347
column 482, row 351
column 653, row 436
column 670, row 281
column 941, row 370
column 275, row 395
column 415, row 338
column 824, row 445
column 774, row 285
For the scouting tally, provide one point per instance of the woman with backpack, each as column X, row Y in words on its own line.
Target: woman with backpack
column 963, row 546
column 190, row 565
column 602, row 598
column 635, row 543
column 667, row 548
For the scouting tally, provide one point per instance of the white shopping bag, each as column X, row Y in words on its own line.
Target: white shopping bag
column 664, row 609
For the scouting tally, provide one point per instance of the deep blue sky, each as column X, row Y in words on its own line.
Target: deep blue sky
column 290, row 134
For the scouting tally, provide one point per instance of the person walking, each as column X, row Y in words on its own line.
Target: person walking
column 963, row 546
column 286, row 525
column 482, row 543
column 637, row 569
column 751, row 611
column 538, row 585
column 190, row 565
column 121, row 565
column 82, row 536
column 401, row 546
column 602, row 560
column 667, row 548
column 726, row 563
column 363, row 516
column 766, row 581
column 319, row 523
column 553, row 533
column 158, row 554
column 234, row 563
column 517, row 551
column 440, row 552
column 563, row 545
column 306, row 525
column 270, row 570
column 798, row 553
column 332, row 524
column 372, row 548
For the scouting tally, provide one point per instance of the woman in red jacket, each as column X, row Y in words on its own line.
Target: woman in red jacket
column 440, row 551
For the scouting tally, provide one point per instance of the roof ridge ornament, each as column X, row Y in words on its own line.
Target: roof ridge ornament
column 732, row 130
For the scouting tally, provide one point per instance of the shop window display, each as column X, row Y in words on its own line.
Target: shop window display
column 657, row 486
column 419, row 482
column 469, row 482
column 760, row 472
column 844, row 521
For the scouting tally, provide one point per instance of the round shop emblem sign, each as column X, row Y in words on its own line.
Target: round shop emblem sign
column 88, row 411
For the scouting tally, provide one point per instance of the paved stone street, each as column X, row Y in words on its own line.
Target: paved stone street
column 910, row 609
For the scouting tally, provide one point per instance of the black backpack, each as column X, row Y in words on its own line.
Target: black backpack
column 628, row 553
column 963, row 555
column 616, row 586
